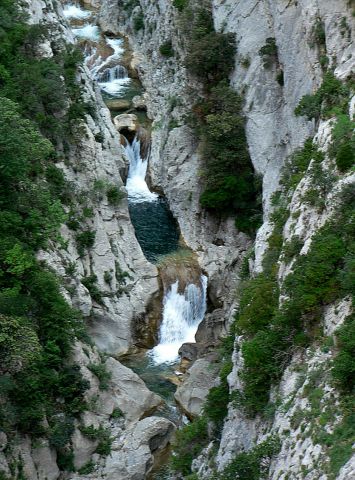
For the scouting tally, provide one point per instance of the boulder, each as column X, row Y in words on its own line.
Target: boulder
column 139, row 103
column 83, row 448
column 126, row 121
column 128, row 392
column 45, row 459
column 139, row 446
column 118, row 104
column 191, row 394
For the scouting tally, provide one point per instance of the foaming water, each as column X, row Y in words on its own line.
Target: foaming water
column 88, row 32
column 75, row 12
column 112, row 78
column 182, row 314
column 136, row 186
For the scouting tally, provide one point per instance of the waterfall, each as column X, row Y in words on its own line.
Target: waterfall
column 136, row 186
column 73, row 11
column 110, row 74
column 87, row 32
column 112, row 78
column 182, row 313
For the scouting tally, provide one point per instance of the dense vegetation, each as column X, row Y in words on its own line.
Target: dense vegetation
column 37, row 327
column 272, row 332
column 330, row 100
column 230, row 183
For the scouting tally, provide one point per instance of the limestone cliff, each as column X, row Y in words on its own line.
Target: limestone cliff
column 272, row 88
column 114, row 303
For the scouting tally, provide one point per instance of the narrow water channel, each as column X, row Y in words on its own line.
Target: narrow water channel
column 184, row 302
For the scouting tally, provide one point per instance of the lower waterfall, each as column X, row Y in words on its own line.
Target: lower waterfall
column 182, row 314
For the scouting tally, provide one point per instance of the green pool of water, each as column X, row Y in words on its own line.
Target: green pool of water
column 155, row 227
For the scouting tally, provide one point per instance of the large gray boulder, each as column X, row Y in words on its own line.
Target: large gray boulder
column 128, row 392
column 133, row 457
column 191, row 394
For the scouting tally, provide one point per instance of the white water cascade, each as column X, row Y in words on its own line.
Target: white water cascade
column 75, row 12
column 112, row 77
column 182, row 314
column 136, row 185
column 88, row 32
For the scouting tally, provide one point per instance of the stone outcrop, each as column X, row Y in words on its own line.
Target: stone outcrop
column 191, row 394
column 134, row 458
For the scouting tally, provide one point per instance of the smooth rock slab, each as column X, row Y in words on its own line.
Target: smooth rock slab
column 128, row 392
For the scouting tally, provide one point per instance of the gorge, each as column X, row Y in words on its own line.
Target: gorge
column 177, row 239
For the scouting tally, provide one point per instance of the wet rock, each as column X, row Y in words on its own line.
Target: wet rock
column 193, row 391
column 188, row 351
column 126, row 121
column 118, row 104
column 139, row 102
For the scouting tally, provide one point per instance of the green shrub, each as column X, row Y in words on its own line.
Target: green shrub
column 270, row 48
column 332, row 93
column 105, row 442
column 19, row 343
column 258, row 304
column 65, row 460
column 319, row 33
column 86, row 469
column 138, row 22
column 298, row 163
column 269, row 52
column 344, row 363
column 85, row 240
column 166, row 49
column 180, row 4
column 188, row 443
column 216, row 405
column 101, row 372
column 211, row 57
column 117, row 413
column 345, row 157
column 292, row 248
column 254, row 464
column 41, row 382
column 343, row 142
column 61, row 432
column 317, row 279
column 90, row 282
column 114, row 195
column 230, row 184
